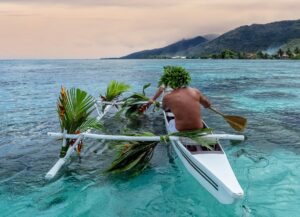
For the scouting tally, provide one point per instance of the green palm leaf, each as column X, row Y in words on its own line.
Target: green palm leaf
column 115, row 89
column 79, row 106
column 197, row 136
column 134, row 157
column 74, row 108
column 90, row 123
column 132, row 105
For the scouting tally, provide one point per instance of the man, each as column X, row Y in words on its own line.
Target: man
column 183, row 101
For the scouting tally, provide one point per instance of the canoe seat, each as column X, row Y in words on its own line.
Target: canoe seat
column 195, row 148
column 191, row 145
column 170, row 114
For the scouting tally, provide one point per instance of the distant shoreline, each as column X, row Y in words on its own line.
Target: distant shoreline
column 230, row 54
column 101, row 59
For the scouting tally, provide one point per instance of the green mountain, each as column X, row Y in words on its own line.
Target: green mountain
column 292, row 45
column 253, row 38
column 250, row 39
column 210, row 37
column 176, row 49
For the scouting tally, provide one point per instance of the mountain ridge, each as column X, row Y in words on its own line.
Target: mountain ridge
column 247, row 38
column 176, row 48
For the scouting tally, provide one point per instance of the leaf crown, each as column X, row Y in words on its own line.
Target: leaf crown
column 175, row 77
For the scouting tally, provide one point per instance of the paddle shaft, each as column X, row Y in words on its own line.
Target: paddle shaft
column 216, row 111
column 236, row 122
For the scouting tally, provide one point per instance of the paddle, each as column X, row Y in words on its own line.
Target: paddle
column 236, row 122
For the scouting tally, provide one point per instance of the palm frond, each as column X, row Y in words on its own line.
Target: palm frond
column 78, row 108
column 134, row 157
column 145, row 87
column 197, row 136
column 90, row 123
column 115, row 89
column 132, row 106
column 74, row 108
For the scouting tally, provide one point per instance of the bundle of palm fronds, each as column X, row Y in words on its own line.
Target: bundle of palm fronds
column 114, row 90
column 134, row 157
column 133, row 106
column 197, row 137
column 74, row 108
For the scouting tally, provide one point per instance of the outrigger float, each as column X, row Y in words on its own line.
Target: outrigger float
column 210, row 168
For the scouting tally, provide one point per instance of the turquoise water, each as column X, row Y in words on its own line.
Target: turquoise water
column 267, row 164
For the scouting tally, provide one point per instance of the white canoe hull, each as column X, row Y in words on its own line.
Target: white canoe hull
column 212, row 170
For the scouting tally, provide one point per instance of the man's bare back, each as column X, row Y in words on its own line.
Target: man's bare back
column 185, row 105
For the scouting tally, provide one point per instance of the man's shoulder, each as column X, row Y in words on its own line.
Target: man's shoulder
column 192, row 89
column 168, row 95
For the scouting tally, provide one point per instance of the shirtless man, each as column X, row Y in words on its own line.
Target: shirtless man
column 183, row 101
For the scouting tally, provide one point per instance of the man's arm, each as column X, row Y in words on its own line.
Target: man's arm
column 165, row 103
column 157, row 94
column 151, row 100
column 203, row 100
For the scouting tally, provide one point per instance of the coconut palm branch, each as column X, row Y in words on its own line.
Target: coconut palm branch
column 74, row 108
column 115, row 89
column 197, row 136
column 132, row 105
column 134, row 157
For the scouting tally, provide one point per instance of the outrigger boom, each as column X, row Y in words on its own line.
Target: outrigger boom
column 141, row 138
column 53, row 171
column 61, row 161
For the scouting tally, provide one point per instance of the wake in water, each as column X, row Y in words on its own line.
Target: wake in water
column 259, row 160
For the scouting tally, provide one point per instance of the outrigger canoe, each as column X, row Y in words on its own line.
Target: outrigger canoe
column 210, row 168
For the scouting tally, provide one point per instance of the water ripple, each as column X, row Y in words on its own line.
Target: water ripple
column 266, row 92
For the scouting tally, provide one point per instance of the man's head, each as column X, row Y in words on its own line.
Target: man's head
column 175, row 77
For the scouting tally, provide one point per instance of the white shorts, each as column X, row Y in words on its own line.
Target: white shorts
column 172, row 126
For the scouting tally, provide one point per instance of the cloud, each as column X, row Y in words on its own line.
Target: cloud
column 92, row 29
column 212, row 4
column 254, row 5
column 117, row 3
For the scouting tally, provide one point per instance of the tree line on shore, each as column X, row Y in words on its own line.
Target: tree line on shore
column 280, row 54
column 230, row 54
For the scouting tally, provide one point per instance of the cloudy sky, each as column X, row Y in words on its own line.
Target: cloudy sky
column 112, row 28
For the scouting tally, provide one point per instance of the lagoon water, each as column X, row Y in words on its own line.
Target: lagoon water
column 266, row 165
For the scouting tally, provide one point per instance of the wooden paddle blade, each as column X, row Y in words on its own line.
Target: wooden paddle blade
column 236, row 122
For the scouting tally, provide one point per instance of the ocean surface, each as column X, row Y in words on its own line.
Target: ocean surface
column 266, row 165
